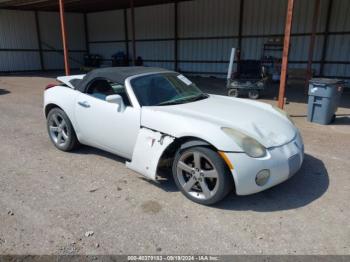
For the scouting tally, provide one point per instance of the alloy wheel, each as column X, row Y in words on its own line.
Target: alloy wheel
column 58, row 130
column 197, row 175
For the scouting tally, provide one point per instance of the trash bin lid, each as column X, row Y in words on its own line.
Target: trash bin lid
column 326, row 81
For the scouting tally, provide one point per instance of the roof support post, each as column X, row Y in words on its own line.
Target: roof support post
column 86, row 28
column 126, row 35
column 64, row 38
column 133, row 32
column 312, row 43
column 240, row 32
column 39, row 41
column 176, row 36
column 287, row 31
column 326, row 36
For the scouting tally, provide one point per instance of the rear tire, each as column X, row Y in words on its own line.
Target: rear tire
column 202, row 175
column 253, row 94
column 233, row 92
column 333, row 118
column 61, row 131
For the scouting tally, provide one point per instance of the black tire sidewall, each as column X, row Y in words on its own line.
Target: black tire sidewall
column 225, row 176
column 254, row 94
column 72, row 140
column 233, row 93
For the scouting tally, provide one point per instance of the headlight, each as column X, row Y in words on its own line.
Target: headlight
column 249, row 145
column 284, row 113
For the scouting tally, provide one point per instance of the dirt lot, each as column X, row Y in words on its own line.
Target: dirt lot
column 50, row 199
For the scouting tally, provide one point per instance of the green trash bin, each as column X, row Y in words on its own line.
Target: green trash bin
column 324, row 98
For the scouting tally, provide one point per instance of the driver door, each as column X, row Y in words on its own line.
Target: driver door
column 101, row 125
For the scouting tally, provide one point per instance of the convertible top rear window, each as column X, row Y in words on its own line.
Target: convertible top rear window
column 165, row 89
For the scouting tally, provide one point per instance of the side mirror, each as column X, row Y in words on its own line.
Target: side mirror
column 118, row 100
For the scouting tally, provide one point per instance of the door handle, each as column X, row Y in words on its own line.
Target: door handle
column 84, row 104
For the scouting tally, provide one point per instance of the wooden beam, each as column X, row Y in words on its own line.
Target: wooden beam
column 64, row 38
column 287, row 30
column 133, row 32
column 38, row 33
column 312, row 43
column 326, row 36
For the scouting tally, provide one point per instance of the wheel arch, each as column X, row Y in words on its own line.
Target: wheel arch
column 51, row 106
column 166, row 160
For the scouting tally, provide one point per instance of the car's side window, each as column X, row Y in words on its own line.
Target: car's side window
column 101, row 88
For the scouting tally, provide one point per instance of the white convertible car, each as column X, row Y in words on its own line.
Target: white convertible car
column 154, row 117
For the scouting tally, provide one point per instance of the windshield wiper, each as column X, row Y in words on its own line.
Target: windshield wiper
column 184, row 100
column 199, row 97
column 167, row 103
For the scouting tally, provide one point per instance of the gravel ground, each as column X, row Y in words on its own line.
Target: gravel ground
column 50, row 200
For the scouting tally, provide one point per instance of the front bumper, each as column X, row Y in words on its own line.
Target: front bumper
column 283, row 162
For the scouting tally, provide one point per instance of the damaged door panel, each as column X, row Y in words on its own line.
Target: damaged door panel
column 149, row 147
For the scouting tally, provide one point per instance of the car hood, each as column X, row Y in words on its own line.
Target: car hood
column 258, row 120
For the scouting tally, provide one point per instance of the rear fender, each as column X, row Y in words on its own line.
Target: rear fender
column 148, row 150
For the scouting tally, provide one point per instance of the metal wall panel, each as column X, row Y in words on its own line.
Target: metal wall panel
column 339, row 45
column 197, row 19
column 212, row 69
column 208, row 18
column 206, row 49
column 51, row 31
column 154, row 22
column 162, row 50
column 155, row 50
column 17, row 29
column 337, row 70
column 264, row 17
column 340, row 19
column 19, row 61
column 167, row 65
column 54, row 60
column 303, row 15
column 106, row 50
column 106, row 26
column 338, row 48
column 300, row 48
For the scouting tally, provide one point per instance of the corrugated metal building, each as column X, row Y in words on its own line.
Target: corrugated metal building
column 204, row 33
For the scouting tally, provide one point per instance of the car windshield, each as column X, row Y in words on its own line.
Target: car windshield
column 165, row 89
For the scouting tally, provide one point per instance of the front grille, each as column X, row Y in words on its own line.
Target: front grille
column 294, row 164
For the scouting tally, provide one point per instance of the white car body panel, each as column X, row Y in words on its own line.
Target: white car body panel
column 141, row 134
column 66, row 79
column 105, row 127
column 149, row 148
column 277, row 160
column 204, row 119
column 64, row 98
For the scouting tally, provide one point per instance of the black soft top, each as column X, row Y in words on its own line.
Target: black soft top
column 115, row 74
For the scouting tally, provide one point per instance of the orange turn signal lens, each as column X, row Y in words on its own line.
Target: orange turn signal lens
column 225, row 158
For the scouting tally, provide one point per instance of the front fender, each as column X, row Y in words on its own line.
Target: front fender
column 148, row 150
column 179, row 126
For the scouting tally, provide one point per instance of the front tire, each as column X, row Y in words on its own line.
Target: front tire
column 202, row 175
column 61, row 131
